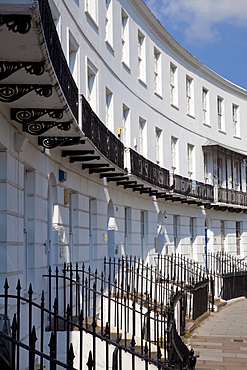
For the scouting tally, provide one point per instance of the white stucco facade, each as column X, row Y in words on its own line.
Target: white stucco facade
column 158, row 100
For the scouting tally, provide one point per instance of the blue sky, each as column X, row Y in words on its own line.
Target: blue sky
column 214, row 31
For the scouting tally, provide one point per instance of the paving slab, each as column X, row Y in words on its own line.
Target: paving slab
column 221, row 339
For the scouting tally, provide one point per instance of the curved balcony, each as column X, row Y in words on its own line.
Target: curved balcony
column 101, row 137
column 57, row 57
column 52, row 105
column 149, row 171
column 193, row 188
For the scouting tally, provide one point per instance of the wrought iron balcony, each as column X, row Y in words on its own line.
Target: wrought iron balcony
column 148, row 171
column 104, row 140
column 193, row 188
column 58, row 59
column 231, row 196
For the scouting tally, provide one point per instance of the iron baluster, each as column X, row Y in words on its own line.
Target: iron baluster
column 56, row 282
column 81, row 318
column 94, row 324
column 49, row 292
column 55, row 307
column 52, row 345
column 30, row 294
column 71, row 356
column 14, row 329
column 33, row 339
column 64, row 293
column 18, row 289
column 71, row 287
column 68, row 317
column 6, row 288
column 42, row 305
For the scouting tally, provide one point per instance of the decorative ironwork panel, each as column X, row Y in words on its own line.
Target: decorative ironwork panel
column 182, row 185
column 120, row 154
column 53, row 142
column 95, row 123
column 104, row 138
column 39, row 128
column 30, row 115
column 86, row 118
column 33, row 68
column 18, row 23
column 223, row 195
column 134, row 162
column 57, row 57
column 10, row 93
column 112, row 147
column 210, row 192
column 148, row 170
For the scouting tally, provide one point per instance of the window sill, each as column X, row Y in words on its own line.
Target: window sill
column 109, row 46
column 222, row 132
column 126, row 66
column 142, row 83
column 174, row 106
column 92, row 20
column 190, row 115
column 158, row 95
column 237, row 137
column 206, row 124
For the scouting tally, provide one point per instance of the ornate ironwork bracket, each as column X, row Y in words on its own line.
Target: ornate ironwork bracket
column 39, row 128
column 8, row 68
column 18, row 23
column 10, row 93
column 53, row 142
column 30, row 115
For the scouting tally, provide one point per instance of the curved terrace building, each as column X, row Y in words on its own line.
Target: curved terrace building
column 114, row 140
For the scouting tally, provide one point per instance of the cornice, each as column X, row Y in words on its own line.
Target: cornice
column 156, row 27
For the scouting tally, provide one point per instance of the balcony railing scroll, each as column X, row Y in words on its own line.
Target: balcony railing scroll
column 107, row 143
column 193, row 188
column 148, row 171
column 57, row 57
column 231, row 196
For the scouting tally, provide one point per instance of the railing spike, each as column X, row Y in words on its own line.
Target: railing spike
column 30, row 290
column 146, row 349
column 33, row 337
column 71, row 356
column 6, row 284
column 55, row 306
column 52, row 345
column 42, row 298
column 132, row 343
column 14, row 326
column 90, row 361
column 68, row 312
column 18, row 287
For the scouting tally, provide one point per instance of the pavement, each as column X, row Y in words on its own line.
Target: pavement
column 221, row 339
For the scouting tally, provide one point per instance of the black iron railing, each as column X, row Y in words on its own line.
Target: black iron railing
column 225, row 263
column 193, row 188
column 57, row 57
column 129, row 297
column 179, row 268
column 89, row 304
column 103, row 139
column 229, row 274
column 200, row 298
column 179, row 352
column 231, row 196
column 148, row 171
column 190, row 276
column 115, row 304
